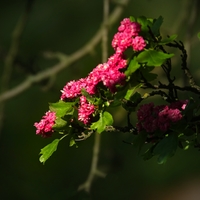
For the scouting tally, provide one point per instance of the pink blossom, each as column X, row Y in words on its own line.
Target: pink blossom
column 179, row 104
column 73, row 89
column 124, row 38
column 138, row 43
column 85, row 110
column 45, row 126
column 174, row 115
column 152, row 118
column 133, row 28
column 107, row 73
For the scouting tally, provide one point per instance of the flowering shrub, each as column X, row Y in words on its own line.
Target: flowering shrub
column 123, row 81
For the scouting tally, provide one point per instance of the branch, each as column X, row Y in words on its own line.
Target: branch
column 94, row 165
column 93, row 170
column 65, row 62
column 12, row 54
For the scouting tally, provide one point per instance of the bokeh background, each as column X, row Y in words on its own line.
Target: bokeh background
column 65, row 26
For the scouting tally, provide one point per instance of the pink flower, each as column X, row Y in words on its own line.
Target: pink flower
column 73, row 89
column 124, row 38
column 152, row 118
column 138, row 43
column 85, row 110
column 174, row 115
column 45, row 126
column 179, row 104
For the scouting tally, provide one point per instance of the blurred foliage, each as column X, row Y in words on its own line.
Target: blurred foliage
column 65, row 26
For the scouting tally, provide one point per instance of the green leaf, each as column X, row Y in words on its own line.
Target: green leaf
column 144, row 22
column 148, row 153
column 59, row 124
column 136, row 97
column 147, row 75
column 131, row 104
column 48, row 150
column 156, row 26
column 130, row 92
column 62, row 108
column 72, row 142
column 166, row 148
column 198, row 35
column 132, row 67
column 132, row 19
column 153, row 57
column 139, row 140
column 105, row 119
column 168, row 40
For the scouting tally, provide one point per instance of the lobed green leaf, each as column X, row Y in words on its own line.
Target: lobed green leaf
column 198, row 35
column 59, row 124
column 153, row 57
column 166, row 148
column 105, row 119
column 48, row 150
column 132, row 91
column 156, row 26
column 132, row 67
column 168, row 40
column 62, row 108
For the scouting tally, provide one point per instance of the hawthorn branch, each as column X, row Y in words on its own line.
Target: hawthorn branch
column 185, row 65
column 66, row 61
column 94, row 164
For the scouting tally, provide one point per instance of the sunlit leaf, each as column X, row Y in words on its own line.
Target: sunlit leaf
column 130, row 92
column 153, row 57
column 132, row 67
column 72, row 142
column 62, row 108
column 48, row 150
column 59, row 123
column 198, row 35
column 144, row 22
column 105, row 119
column 168, row 40
column 132, row 19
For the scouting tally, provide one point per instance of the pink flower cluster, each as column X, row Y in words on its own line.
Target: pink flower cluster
column 45, row 126
column 152, row 118
column 128, row 36
column 108, row 73
column 85, row 110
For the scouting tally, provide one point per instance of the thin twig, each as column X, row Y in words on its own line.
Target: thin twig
column 12, row 54
column 93, row 170
column 94, row 164
column 65, row 62
column 192, row 19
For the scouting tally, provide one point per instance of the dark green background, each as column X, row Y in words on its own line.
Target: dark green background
column 65, row 26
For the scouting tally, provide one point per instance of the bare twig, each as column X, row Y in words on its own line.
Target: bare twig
column 94, row 164
column 189, row 34
column 93, row 170
column 12, row 53
column 65, row 62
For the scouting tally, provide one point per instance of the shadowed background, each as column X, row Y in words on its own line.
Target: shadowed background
column 65, row 26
